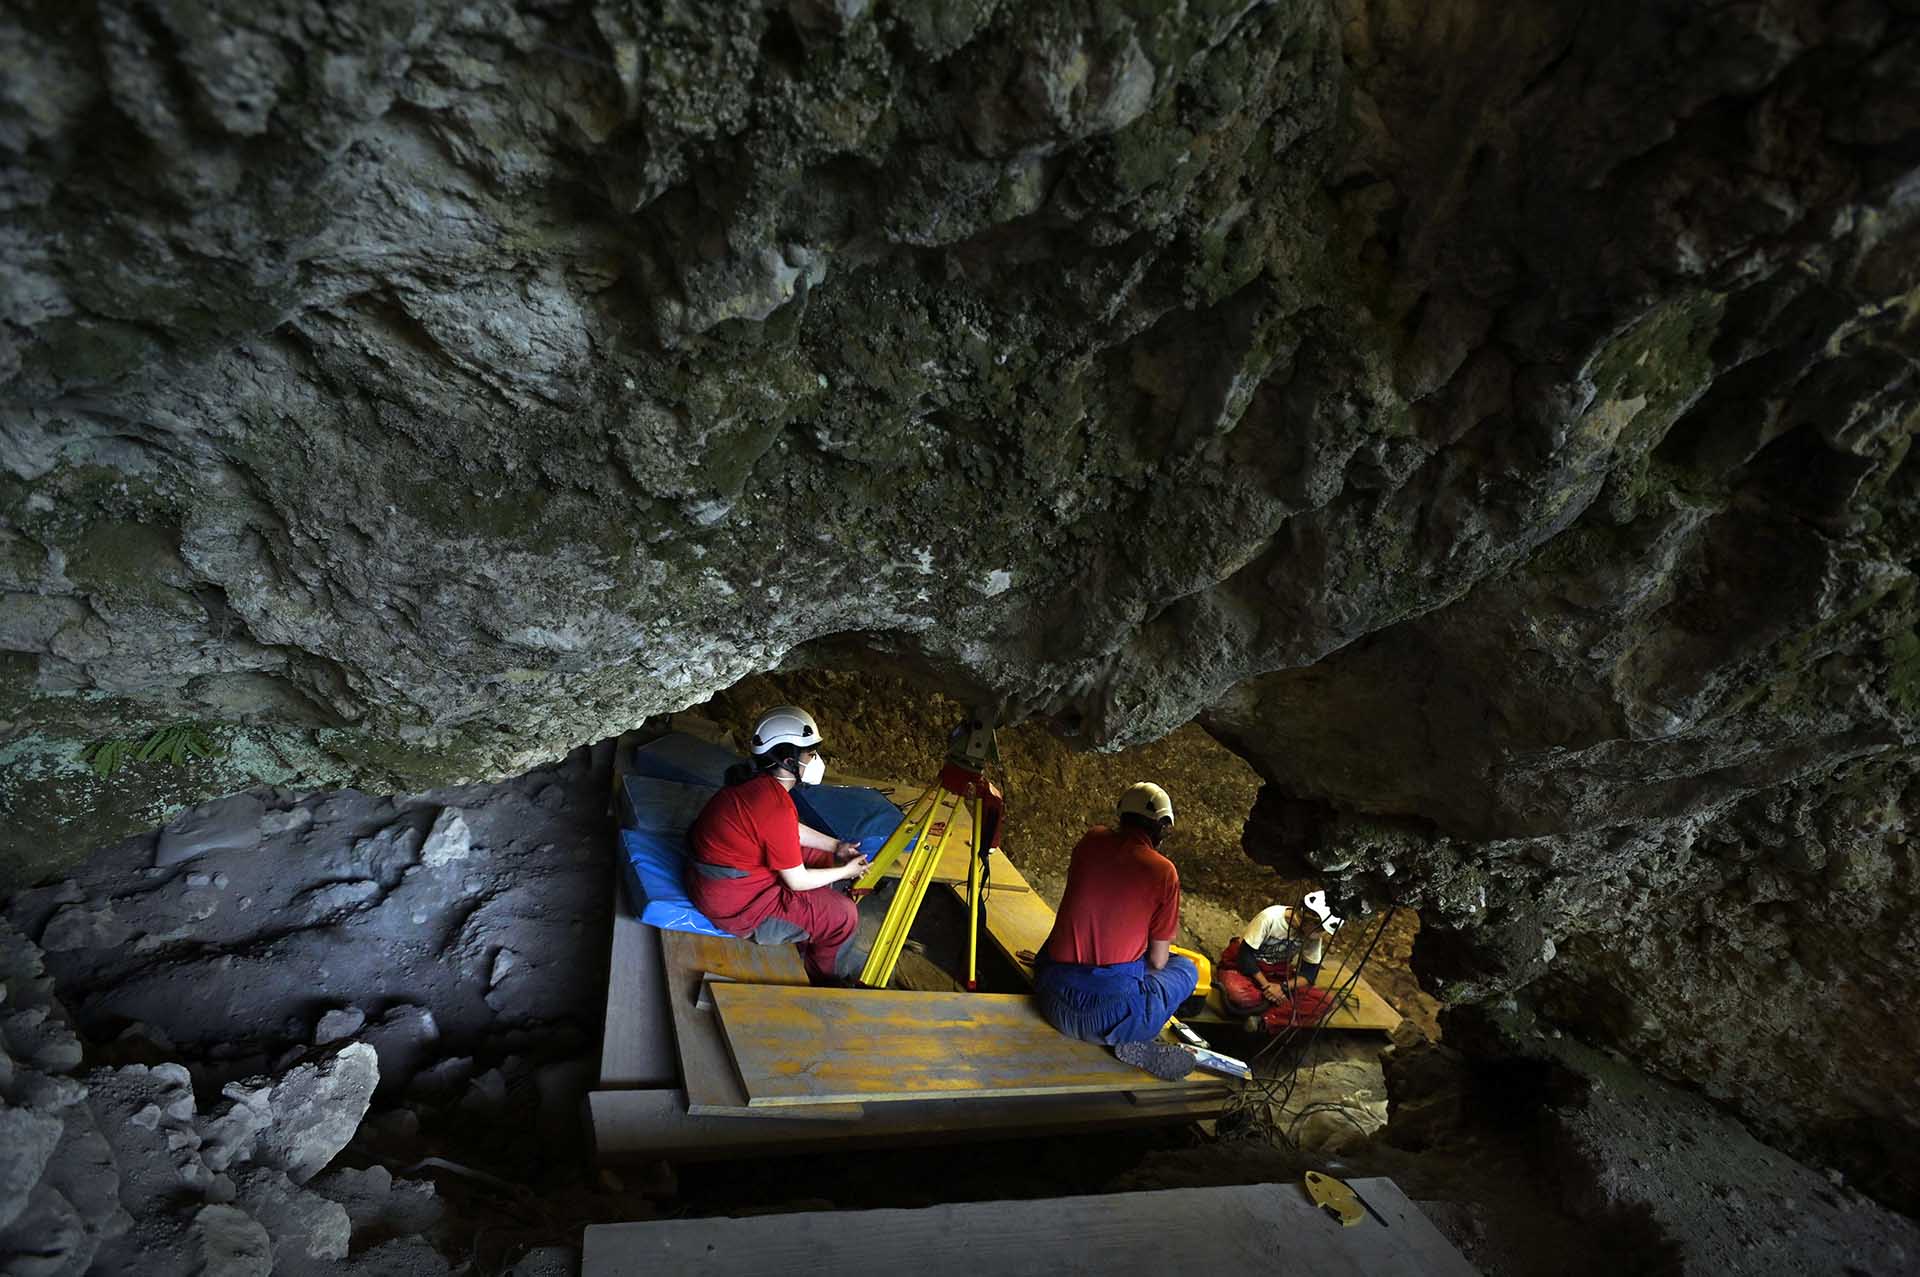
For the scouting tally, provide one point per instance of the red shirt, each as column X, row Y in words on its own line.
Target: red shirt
column 1120, row 894
column 753, row 825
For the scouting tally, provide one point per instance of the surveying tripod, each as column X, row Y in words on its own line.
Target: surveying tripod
column 928, row 827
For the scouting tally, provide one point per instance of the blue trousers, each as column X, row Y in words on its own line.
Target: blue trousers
column 1124, row 1002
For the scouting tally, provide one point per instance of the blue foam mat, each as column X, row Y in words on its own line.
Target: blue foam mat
column 659, row 813
column 688, row 759
column 851, row 812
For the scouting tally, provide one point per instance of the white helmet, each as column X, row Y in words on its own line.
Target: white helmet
column 1316, row 903
column 1148, row 800
column 785, row 725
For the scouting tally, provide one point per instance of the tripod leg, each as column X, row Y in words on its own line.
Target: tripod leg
column 976, row 859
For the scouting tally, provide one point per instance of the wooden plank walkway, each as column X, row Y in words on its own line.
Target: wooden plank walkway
column 642, row 1125
column 669, row 1086
column 1252, row 1228
column 637, row 1049
column 872, row 1046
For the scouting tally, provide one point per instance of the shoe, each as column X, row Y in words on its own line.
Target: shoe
column 1164, row 1060
column 1254, row 1024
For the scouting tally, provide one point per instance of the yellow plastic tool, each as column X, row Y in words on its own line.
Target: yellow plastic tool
column 1205, row 968
column 1334, row 1197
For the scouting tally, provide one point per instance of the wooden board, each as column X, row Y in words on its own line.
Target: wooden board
column 637, row 1050
column 642, row 1125
column 876, row 1046
column 706, row 1070
column 1016, row 922
column 1250, row 1228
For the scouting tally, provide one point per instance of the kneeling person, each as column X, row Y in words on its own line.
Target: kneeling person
column 1107, row 972
column 756, row 871
column 1267, row 972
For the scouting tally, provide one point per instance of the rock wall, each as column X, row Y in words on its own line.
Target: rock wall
column 1663, row 766
column 117, row 1170
column 1492, row 419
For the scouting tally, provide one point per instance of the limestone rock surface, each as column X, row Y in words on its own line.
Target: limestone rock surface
column 119, row 1171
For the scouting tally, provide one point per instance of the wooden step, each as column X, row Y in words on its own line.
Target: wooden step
column 1250, row 1228
column 706, row 1070
column 644, row 1125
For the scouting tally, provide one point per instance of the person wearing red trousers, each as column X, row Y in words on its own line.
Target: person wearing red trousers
column 756, row 871
column 1267, row 972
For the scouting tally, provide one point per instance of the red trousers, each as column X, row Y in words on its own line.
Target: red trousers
column 761, row 908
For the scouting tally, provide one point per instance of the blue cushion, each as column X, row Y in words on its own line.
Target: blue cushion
column 688, row 759
column 653, row 876
column 851, row 812
column 659, row 813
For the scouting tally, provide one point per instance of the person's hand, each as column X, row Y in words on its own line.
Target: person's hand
column 855, row 868
column 843, row 851
column 1274, row 994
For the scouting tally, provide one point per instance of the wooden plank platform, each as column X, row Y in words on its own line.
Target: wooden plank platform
column 706, row 1070
column 643, row 1125
column 1252, row 1228
column 637, row 1049
column 875, row 1046
column 669, row 1086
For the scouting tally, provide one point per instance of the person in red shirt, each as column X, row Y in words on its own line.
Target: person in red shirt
column 756, row 871
column 1106, row 973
